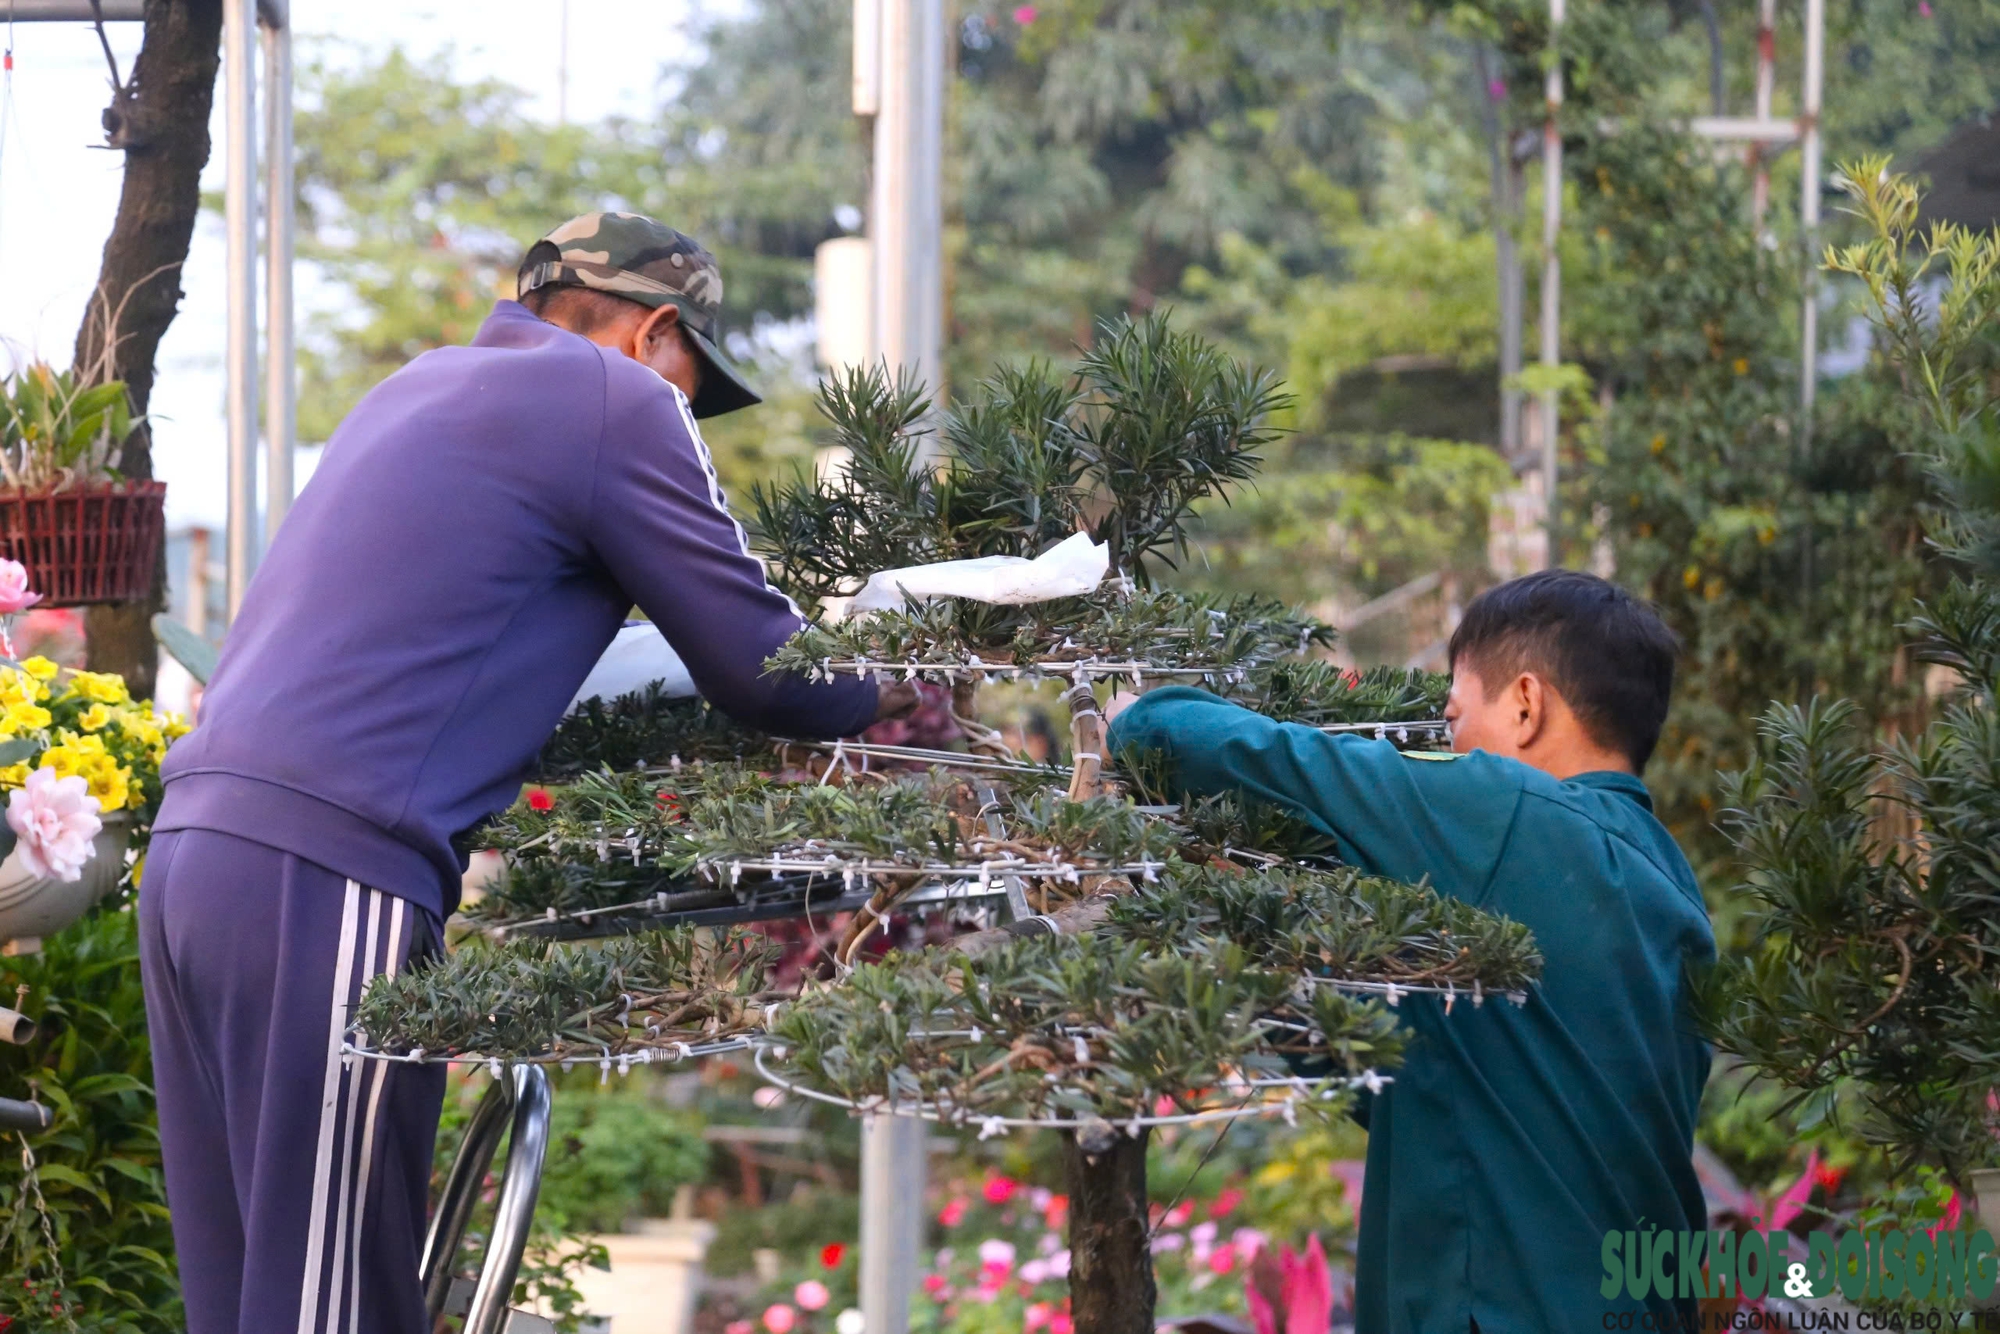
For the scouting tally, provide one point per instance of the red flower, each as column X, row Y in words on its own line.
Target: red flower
column 832, row 1254
column 953, row 1213
column 1057, row 1213
column 1225, row 1201
column 1829, row 1177
column 539, row 799
column 999, row 1190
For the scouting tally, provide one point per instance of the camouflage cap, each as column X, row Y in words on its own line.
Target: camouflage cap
column 641, row 260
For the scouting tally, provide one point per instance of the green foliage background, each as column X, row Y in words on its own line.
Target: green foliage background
column 100, row 1165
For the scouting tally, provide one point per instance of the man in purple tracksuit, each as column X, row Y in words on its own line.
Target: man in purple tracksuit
column 478, row 529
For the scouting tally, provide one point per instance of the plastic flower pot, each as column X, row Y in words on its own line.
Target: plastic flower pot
column 34, row 906
column 97, row 543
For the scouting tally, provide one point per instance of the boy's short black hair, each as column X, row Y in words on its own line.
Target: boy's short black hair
column 1607, row 653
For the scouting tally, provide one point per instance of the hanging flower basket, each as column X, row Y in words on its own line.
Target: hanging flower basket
column 97, row 543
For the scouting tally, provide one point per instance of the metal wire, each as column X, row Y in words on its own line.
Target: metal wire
column 1303, row 1091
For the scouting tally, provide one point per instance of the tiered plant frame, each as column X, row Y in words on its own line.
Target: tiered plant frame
column 1216, row 962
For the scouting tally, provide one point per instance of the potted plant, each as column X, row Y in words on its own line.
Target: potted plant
column 85, row 533
column 80, row 767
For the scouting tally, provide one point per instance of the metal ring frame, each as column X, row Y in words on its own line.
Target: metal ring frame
column 519, row 1100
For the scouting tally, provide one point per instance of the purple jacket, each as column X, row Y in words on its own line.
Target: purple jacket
column 472, row 540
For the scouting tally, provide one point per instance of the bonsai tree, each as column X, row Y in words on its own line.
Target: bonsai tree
column 1873, row 865
column 1192, row 963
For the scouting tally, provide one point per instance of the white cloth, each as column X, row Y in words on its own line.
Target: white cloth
column 638, row 656
column 1070, row 568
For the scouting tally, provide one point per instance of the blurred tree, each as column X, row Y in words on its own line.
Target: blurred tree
column 158, row 118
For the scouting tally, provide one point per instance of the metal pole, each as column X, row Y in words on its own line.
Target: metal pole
column 906, row 221
column 892, row 1219
column 1506, row 255
column 1552, row 156
column 239, row 55
column 1767, row 57
column 280, row 386
column 1809, row 170
column 903, row 67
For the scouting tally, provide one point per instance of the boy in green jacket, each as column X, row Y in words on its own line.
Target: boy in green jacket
column 1514, row 1137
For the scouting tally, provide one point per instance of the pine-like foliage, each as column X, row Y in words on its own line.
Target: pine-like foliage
column 1876, row 870
column 530, row 999
column 1153, row 420
column 645, row 727
column 1100, row 1027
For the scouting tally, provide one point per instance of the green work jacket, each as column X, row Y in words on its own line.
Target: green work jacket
column 1513, row 1137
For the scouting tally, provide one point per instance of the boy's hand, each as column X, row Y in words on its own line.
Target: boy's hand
column 1117, row 704
column 895, row 699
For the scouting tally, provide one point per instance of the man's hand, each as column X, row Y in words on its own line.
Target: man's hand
column 895, row 699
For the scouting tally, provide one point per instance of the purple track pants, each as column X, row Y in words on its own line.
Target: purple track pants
column 297, row 1182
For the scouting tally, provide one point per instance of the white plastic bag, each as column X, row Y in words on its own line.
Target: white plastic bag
column 1071, row 567
column 638, row 656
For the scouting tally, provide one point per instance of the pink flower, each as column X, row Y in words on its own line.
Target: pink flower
column 1060, row 1323
column 1924, row 7
column 56, row 819
column 1035, row 1271
column 1226, row 1201
column 996, row 1253
column 1168, row 1241
column 14, row 594
column 934, row 1284
column 999, row 1190
column 1179, row 1215
column 1303, row 1288
column 1036, row 1317
column 1222, row 1261
column 780, row 1318
column 1059, row 1265
column 1247, row 1241
column 1025, row 14
column 1057, row 1212
column 811, row 1294
column 953, row 1213
column 739, row 1327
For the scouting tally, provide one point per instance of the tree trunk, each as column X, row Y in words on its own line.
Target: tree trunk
column 1110, row 1257
column 162, row 124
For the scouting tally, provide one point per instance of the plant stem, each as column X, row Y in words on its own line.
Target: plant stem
column 1111, row 1288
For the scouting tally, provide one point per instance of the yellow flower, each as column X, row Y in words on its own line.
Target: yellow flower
column 95, row 718
column 111, row 785
column 175, row 727
column 1691, row 576
column 13, row 775
column 40, row 668
column 138, row 869
column 1741, row 366
column 24, row 717
column 1659, row 444
column 99, row 687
